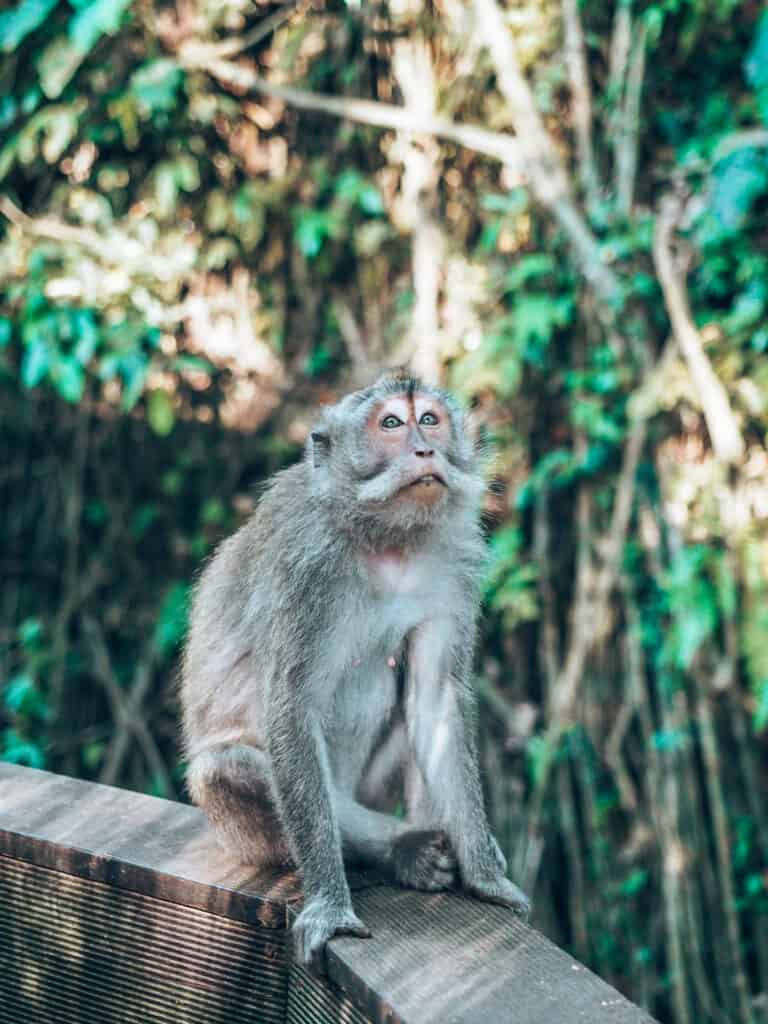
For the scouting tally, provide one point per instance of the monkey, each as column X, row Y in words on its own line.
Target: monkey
column 339, row 619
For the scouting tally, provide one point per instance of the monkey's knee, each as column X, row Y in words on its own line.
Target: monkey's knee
column 232, row 785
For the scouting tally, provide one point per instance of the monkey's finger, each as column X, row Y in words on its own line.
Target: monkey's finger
column 358, row 931
column 440, row 881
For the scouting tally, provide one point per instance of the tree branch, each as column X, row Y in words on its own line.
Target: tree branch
column 194, row 56
column 575, row 52
column 721, row 422
column 544, row 168
column 49, row 227
column 628, row 132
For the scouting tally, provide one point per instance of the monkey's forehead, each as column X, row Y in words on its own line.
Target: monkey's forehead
column 406, row 387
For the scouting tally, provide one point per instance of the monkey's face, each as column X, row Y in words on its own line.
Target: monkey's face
column 406, row 436
column 407, row 457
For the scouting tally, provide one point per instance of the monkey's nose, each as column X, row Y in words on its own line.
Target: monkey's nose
column 424, row 453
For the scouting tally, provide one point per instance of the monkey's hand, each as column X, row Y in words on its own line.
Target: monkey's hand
column 318, row 922
column 423, row 859
column 498, row 889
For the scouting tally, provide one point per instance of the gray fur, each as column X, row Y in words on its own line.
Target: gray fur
column 288, row 686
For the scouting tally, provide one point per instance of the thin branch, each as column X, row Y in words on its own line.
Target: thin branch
column 49, row 227
column 621, row 41
column 532, row 154
column 752, row 138
column 575, row 52
column 587, row 620
column 545, row 171
column 721, row 422
column 414, row 73
column 353, row 338
column 126, row 711
column 380, row 115
column 627, row 136
column 713, row 775
column 231, row 47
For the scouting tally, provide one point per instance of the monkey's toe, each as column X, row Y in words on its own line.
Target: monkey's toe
column 318, row 922
column 500, row 890
column 424, row 859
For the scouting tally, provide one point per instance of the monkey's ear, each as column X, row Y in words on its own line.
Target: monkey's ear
column 319, row 447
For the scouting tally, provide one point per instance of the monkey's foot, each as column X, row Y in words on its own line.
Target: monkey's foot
column 424, row 860
column 500, row 890
column 318, row 922
column 501, row 860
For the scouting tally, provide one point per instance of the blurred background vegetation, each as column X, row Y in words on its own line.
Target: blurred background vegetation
column 218, row 214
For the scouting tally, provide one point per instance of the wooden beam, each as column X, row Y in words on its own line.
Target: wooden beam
column 119, row 907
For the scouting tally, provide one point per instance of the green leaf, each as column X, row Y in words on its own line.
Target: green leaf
column 16, row 25
column 172, row 619
column 86, row 332
column 311, row 231
column 197, row 363
column 154, row 85
column 756, row 64
column 527, row 268
column 214, row 511
column 160, row 412
column 35, row 362
column 6, row 329
column 68, row 378
column 30, row 632
column 21, row 697
column 634, row 882
column 92, row 754
column 760, row 717
column 133, row 369
column 738, row 179
column 93, row 19
column 17, row 750
column 370, row 200
column 57, row 64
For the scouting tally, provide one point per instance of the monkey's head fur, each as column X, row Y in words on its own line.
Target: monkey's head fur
column 397, row 457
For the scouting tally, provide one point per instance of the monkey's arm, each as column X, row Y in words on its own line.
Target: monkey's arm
column 440, row 714
column 301, row 778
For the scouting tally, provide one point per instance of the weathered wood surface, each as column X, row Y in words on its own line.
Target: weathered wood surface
column 135, row 887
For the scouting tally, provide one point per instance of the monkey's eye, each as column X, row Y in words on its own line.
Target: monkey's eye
column 429, row 419
column 391, row 421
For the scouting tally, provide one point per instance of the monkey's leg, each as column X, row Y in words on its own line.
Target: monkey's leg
column 439, row 716
column 233, row 786
column 301, row 775
column 414, row 857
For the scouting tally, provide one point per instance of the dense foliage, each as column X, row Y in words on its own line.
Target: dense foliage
column 573, row 233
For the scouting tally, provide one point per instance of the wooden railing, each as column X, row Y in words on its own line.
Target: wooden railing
column 118, row 907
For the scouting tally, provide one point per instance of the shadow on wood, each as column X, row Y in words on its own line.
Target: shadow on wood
column 118, row 907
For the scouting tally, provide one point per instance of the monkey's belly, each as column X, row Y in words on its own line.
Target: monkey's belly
column 362, row 708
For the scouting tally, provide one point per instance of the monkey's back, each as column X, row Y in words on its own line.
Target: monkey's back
column 245, row 607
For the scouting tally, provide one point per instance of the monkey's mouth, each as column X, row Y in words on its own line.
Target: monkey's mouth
column 427, row 480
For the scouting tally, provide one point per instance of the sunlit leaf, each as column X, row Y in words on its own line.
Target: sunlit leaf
column 93, row 19
column 57, row 64
column 154, row 85
column 17, row 23
column 68, row 378
column 35, row 362
column 160, row 412
column 22, row 697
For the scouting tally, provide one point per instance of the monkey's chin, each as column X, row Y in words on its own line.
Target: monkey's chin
column 427, row 492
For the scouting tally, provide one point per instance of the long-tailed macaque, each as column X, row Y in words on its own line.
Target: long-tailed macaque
column 340, row 617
